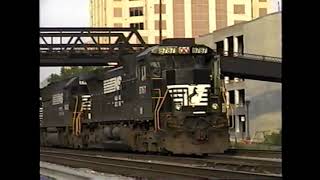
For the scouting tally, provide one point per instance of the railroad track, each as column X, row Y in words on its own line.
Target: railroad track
column 171, row 167
column 235, row 163
column 255, row 153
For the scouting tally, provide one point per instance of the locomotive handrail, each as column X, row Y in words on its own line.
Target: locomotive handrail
column 78, row 121
column 250, row 56
column 74, row 115
column 155, row 110
column 158, row 110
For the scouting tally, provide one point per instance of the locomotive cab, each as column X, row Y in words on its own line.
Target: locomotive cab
column 190, row 75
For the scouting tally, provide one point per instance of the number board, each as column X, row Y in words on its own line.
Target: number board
column 167, row 50
column 199, row 50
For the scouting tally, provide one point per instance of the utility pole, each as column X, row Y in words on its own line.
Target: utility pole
column 247, row 120
column 160, row 21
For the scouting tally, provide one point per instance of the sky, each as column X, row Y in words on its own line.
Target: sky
column 275, row 4
column 62, row 13
column 69, row 13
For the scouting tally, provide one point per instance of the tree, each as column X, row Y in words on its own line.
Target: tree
column 70, row 72
column 53, row 77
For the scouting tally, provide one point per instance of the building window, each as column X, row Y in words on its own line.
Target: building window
column 220, row 48
column 137, row 25
column 238, row 21
column 238, row 9
column 117, row 12
column 136, row 11
column 157, row 8
column 230, row 46
column 240, row 44
column 163, row 23
column 117, row 25
column 241, row 97
column 231, row 97
column 262, row 11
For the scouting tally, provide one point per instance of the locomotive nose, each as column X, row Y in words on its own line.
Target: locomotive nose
column 189, row 89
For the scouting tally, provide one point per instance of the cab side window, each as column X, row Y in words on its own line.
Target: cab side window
column 155, row 69
column 143, row 73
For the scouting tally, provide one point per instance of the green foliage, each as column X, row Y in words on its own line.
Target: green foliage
column 53, row 78
column 274, row 138
column 70, row 72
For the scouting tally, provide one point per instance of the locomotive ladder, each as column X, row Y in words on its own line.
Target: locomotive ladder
column 76, row 118
column 157, row 109
column 158, row 99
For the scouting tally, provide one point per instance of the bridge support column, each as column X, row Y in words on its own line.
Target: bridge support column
column 225, row 46
column 227, row 98
column 247, row 135
column 237, row 120
column 237, row 128
column 226, row 79
column 236, row 97
column 235, row 52
column 235, row 46
column 247, row 120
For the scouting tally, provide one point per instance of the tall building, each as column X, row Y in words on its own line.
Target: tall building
column 180, row 18
column 261, row 8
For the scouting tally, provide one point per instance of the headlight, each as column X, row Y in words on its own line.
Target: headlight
column 215, row 106
column 178, row 107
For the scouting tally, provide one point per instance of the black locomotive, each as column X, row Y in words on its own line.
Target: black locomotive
column 164, row 99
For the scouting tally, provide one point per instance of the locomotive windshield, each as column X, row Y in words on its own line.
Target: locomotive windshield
column 198, row 61
column 167, row 62
column 173, row 57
